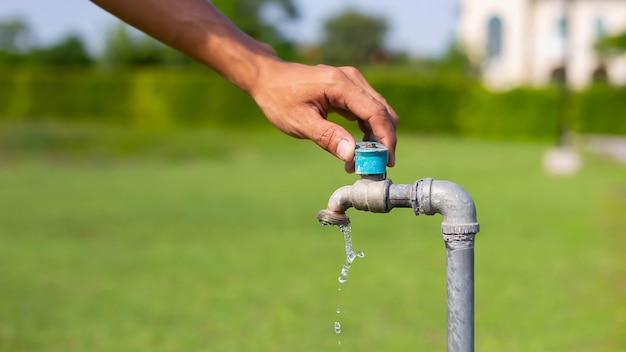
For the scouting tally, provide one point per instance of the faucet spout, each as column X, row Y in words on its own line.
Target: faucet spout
column 340, row 200
column 365, row 194
column 335, row 212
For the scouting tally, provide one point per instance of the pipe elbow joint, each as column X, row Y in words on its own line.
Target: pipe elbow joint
column 451, row 201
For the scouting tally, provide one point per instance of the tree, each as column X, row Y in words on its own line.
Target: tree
column 248, row 15
column 353, row 38
column 612, row 45
column 124, row 48
column 15, row 35
column 118, row 48
column 455, row 63
column 15, row 38
column 69, row 51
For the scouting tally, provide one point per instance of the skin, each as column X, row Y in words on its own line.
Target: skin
column 295, row 98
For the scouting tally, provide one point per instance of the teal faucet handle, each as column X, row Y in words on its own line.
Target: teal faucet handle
column 370, row 158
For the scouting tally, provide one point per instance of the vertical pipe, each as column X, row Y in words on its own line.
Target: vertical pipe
column 460, row 287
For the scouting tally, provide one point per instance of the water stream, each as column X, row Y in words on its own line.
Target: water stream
column 351, row 256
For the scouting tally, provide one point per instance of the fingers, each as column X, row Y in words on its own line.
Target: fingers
column 349, row 166
column 368, row 134
column 330, row 136
column 357, row 77
column 353, row 98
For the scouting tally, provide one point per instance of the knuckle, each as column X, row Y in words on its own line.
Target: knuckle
column 268, row 48
column 381, row 98
column 351, row 70
column 381, row 111
column 336, row 74
column 324, row 139
column 395, row 119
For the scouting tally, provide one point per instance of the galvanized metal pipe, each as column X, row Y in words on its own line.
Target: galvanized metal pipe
column 460, row 292
column 459, row 227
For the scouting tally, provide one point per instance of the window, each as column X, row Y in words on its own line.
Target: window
column 600, row 28
column 562, row 27
column 494, row 38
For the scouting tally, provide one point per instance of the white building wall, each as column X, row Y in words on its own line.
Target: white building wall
column 617, row 71
column 584, row 59
column 533, row 47
column 509, row 68
column 546, row 43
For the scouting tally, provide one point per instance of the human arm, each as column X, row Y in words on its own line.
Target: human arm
column 295, row 98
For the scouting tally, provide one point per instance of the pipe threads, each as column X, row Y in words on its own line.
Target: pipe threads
column 460, row 229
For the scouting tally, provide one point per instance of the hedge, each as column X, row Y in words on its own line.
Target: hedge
column 157, row 99
column 146, row 98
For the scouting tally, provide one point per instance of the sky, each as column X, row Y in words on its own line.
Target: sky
column 421, row 27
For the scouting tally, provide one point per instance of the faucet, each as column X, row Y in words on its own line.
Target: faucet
column 374, row 192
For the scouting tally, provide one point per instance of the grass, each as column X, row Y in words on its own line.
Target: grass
column 221, row 251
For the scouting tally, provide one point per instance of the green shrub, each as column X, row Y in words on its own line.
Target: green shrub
column 601, row 109
column 520, row 113
column 157, row 99
column 144, row 98
column 424, row 106
column 64, row 95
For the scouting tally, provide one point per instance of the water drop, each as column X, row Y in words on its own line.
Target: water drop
column 337, row 326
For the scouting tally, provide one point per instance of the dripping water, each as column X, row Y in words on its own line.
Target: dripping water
column 351, row 256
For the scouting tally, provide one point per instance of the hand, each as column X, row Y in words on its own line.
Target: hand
column 297, row 99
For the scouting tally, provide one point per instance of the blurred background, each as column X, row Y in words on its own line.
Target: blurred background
column 146, row 204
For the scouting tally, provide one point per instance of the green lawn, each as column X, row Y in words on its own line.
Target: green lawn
column 223, row 252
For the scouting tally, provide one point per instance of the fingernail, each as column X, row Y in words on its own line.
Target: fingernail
column 344, row 150
column 349, row 167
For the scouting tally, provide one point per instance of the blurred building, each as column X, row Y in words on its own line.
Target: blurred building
column 533, row 42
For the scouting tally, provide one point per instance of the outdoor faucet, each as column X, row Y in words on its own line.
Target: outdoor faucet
column 375, row 193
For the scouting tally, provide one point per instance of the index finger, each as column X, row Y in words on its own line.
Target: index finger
column 355, row 99
column 357, row 77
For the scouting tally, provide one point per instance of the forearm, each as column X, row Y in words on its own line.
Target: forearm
column 198, row 29
column 295, row 98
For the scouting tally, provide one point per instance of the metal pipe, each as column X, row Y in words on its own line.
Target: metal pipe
column 459, row 227
column 451, row 201
column 400, row 196
column 426, row 196
column 460, row 292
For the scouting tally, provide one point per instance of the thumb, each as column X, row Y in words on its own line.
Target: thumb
column 331, row 137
